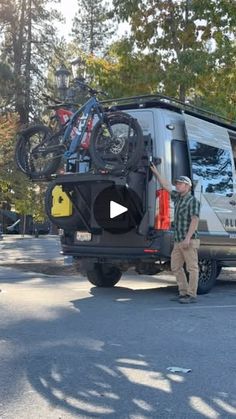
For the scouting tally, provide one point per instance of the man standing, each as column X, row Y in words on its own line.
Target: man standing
column 186, row 241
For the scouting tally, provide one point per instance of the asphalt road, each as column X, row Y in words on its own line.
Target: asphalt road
column 70, row 350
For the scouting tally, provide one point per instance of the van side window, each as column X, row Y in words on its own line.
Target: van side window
column 179, row 160
column 213, row 166
column 233, row 145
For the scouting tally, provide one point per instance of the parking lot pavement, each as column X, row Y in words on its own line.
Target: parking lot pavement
column 71, row 350
column 17, row 248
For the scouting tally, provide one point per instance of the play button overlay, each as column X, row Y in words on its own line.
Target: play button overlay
column 118, row 209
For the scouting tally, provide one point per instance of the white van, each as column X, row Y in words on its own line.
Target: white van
column 113, row 222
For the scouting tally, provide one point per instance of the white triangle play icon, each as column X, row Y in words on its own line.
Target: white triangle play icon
column 116, row 209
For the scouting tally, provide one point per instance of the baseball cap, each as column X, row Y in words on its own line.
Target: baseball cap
column 184, row 179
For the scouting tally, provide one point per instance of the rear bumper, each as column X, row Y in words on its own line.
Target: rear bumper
column 159, row 248
column 217, row 247
column 108, row 252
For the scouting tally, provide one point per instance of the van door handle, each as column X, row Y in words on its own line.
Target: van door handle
column 232, row 202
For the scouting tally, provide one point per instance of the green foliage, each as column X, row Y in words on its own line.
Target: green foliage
column 92, row 26
column 217, row 92
column 191, row 38
column 15, row 189
column 121, row 73
column 6, row 86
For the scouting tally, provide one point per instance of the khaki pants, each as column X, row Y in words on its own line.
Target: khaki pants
column 189, row 256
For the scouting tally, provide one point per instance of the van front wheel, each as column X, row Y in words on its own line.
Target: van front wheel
column 207, row 275
column 104, row 275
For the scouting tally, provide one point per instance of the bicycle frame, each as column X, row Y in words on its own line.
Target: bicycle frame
column 63, row 115
column 76, row 134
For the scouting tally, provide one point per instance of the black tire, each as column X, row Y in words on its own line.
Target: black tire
column 218, row 270
column 104, row 275
column 38, row 152
column 117, row 143
column 207, row 275
column 71, row 222
column 19, row 159
column 148, row 269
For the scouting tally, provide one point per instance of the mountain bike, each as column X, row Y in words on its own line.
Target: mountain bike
column 29, row 138
column 112, row 141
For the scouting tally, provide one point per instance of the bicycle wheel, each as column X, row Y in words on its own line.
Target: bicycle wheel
column 117, row 143
column 19, row 156
column 38, row 152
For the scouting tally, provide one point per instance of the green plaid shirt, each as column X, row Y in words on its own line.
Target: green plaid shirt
column 185, row 208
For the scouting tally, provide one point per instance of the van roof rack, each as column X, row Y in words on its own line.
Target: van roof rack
column 168, row 102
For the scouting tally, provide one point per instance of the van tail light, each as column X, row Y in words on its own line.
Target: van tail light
column 162, row 220
column 151, row 250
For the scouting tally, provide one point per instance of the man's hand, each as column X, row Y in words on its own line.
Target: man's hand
column 163, row 182
column 154, row 170
column 186, row 243
column 192, row 228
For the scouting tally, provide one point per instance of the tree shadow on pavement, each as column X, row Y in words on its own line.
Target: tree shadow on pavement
column 107, row 355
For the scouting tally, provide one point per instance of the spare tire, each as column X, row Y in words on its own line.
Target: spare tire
column 104, row 275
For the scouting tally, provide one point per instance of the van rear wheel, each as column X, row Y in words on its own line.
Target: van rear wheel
column 207, row 275
column 218, row 270
column 104, row 275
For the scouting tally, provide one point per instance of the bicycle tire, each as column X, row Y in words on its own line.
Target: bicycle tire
column 22, row 137
column 19, row 159
column 39, row 164
column 71, row 222
column 121, row 152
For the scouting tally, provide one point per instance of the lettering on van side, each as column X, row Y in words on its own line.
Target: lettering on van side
column 230, row 223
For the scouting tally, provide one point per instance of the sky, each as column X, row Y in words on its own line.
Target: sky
column 68, row 9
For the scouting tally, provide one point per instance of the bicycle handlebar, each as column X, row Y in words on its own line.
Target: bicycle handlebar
column 62, row 105
column 89, row 88
column 58, row 103
column 78, row 83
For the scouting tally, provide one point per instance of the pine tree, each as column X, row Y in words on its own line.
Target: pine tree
column 92, row 27
column 28, row 38
column 6, row 87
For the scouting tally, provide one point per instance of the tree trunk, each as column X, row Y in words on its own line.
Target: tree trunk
column 28, row 61
column 182, row 87
column 182, row 92
column 18, row 51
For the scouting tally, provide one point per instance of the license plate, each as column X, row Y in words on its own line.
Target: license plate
column 83, row 236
